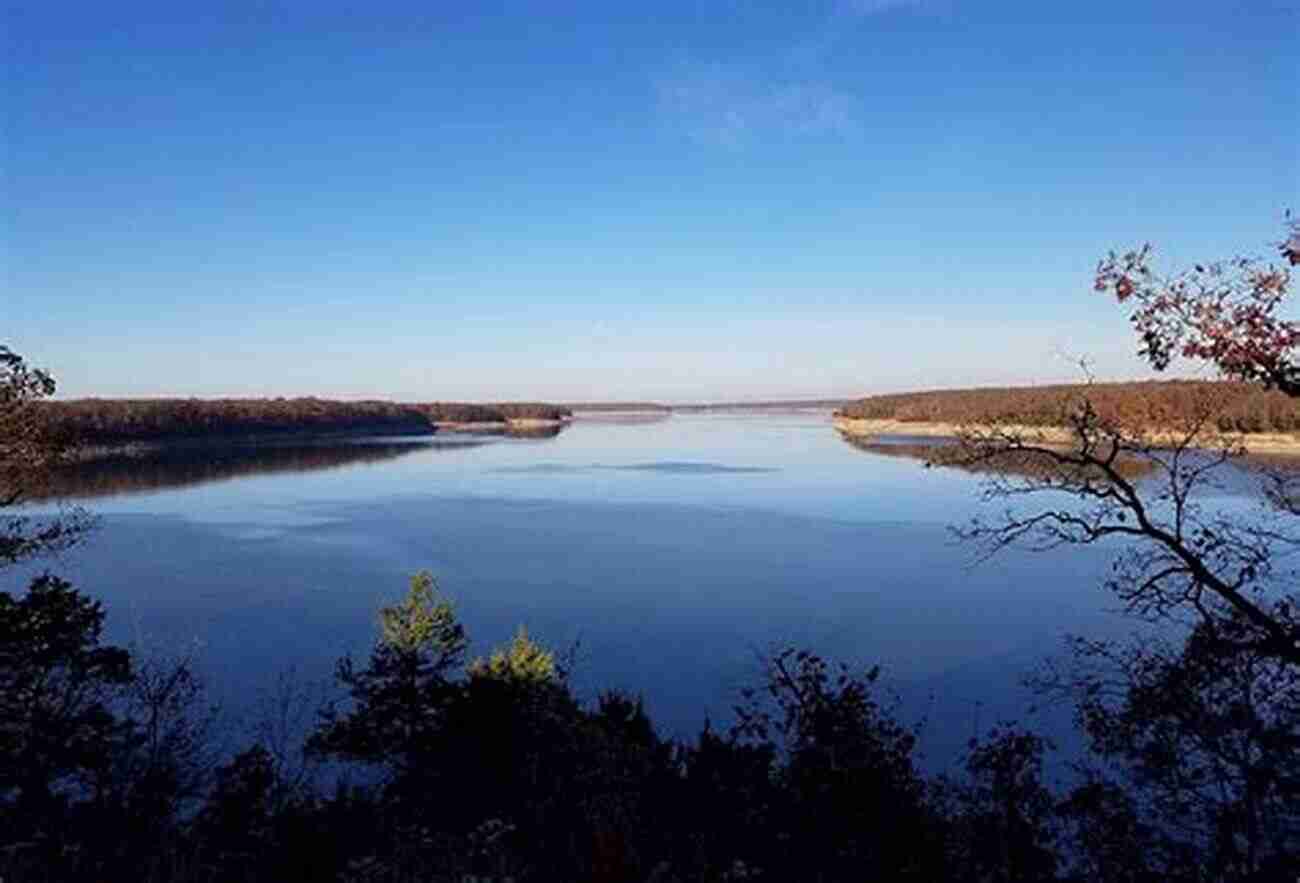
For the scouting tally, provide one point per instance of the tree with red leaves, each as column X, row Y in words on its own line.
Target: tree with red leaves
column 1227, row 313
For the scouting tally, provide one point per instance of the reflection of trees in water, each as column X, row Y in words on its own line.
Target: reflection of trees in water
column 947, row 452
column 194, row 465
column 934, row 451
column 503, row 430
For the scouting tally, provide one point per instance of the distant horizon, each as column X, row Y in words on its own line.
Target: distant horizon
column 756, row 399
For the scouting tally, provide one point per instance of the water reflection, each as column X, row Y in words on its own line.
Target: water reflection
column 629, row 418
column 189, row 466
column 947, row 452
column 507, row 430
column 670, row 467
column 540, row 431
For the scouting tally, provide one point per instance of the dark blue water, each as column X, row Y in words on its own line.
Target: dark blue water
column 670, row 554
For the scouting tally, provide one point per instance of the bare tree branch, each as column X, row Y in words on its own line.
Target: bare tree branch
column 1144, row 488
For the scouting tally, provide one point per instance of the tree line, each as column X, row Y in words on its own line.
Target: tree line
column 1239, row 406
column 121, row 421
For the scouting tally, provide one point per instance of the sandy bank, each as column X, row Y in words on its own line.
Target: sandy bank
column 536, row 422
column 521, row 423
column 1255, row 442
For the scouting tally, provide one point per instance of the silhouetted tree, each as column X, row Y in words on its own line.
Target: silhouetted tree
column 851, row 795
column 58, row 731
column 1207, row 743
column 1181, row 553
column 236, row 826
column 29, row 448
column 1005, row 816
column 1199, row 737
column 397, row 700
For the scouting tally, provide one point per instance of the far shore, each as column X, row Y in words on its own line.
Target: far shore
column 308, row 435
column 1254, row 442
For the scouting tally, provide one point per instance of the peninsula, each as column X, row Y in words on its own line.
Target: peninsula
column 1266, row 421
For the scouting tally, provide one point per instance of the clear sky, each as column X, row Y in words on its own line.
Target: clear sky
column 602, row 200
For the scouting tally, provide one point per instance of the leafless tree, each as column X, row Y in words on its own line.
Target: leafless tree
column 1146, row 491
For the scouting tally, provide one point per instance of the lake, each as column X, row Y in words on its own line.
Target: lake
column 667, row 554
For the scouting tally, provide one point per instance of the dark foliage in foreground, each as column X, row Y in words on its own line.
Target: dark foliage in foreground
column 1239, row 407
column 494, row 770
column 121, row 421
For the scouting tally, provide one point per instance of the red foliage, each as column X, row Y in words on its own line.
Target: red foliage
column 1225, row 313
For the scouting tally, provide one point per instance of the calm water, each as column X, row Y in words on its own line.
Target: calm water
column 669, row 552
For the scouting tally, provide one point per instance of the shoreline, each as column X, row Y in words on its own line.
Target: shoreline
column 404, row 434
column 861, row 427
column 500, row 425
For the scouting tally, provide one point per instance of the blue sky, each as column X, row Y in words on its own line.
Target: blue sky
column 585, row 201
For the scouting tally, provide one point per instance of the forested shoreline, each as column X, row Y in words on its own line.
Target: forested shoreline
column 1235, row 406
column 107, row 422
